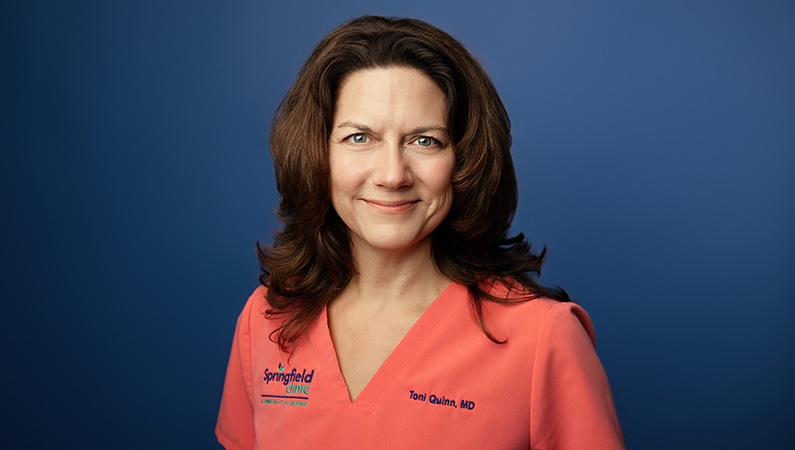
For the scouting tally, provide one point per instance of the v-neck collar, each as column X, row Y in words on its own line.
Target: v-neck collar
column 320, row 338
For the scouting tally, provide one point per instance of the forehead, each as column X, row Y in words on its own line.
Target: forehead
column 391, row 95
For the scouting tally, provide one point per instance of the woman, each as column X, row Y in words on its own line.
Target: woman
column 395, row 311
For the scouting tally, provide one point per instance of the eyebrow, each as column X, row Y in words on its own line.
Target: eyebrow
column 363, row 127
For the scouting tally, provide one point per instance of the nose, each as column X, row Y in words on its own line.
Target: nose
column 392, row 169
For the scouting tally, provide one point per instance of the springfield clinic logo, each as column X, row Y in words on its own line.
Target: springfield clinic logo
column 296, row 385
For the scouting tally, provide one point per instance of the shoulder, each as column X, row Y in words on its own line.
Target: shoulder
column 255, row 306
column 537, row 318
column 253, row 320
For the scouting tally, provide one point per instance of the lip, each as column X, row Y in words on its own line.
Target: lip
column 391, row 207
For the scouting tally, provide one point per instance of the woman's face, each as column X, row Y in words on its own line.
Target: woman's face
column 390, row 158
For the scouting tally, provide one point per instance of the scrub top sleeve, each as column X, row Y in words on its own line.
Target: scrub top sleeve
column 571, row 405
column 235, row 427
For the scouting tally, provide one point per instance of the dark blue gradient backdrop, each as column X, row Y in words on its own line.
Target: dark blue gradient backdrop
column 654, row 144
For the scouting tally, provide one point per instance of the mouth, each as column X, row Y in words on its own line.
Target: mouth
column 391, row 207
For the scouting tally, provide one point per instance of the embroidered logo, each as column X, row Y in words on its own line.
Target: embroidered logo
column 296, row 385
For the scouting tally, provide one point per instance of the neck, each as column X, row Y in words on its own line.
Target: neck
column 407, row 278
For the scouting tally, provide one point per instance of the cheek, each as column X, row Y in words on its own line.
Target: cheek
column 440, row 177
column 346, row 177
column 335, row 188
column 339, row 172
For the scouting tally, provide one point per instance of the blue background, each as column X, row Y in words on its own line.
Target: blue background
column 655, row 148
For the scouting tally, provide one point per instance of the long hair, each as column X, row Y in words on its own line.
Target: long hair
column 310, row 261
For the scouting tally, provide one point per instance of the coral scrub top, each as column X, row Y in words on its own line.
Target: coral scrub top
column 445, row 385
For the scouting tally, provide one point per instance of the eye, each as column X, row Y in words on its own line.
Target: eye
column 358, row 138
column 426, row 141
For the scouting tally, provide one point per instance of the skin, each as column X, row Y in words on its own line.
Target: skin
column 391, row 164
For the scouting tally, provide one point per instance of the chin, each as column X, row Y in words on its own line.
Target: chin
column 393, row 245
column 394, row 241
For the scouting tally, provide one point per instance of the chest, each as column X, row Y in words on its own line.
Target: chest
column 438, row 385
column 363, row 343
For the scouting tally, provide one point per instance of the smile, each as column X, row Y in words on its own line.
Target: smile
column 391, row 207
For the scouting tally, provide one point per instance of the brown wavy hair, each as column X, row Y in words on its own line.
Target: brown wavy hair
column 310, row 261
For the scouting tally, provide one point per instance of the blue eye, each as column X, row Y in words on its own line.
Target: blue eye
column 359, row 138
column 426, row 141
